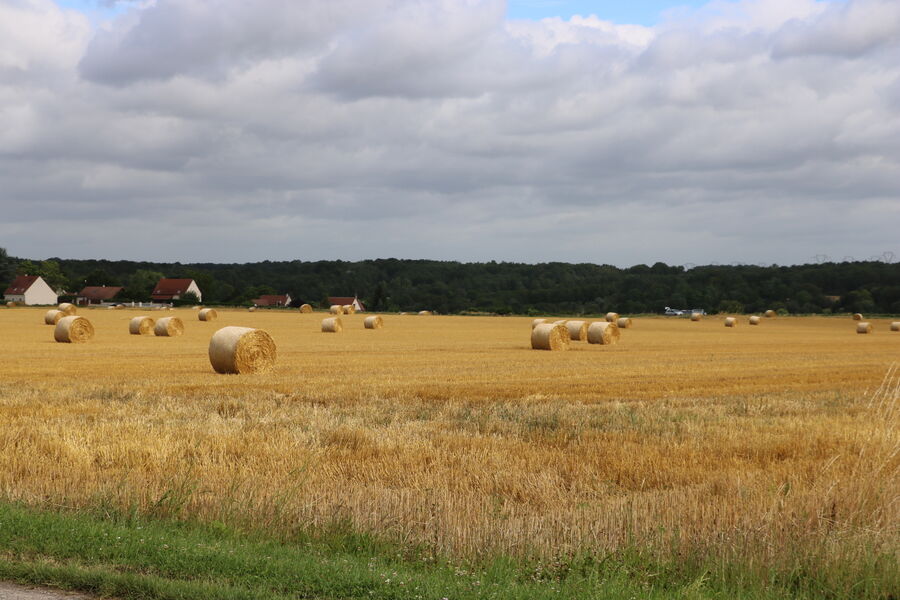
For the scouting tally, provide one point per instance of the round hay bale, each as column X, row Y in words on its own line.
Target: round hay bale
column 141, row 326
column 577, row 330
column 895, row 326
column 623, row 322
column 612, row 317
column 196, row 307
column 332, row 325
column 857, row 317
column 771, row 314
column 67, row 308
column 241, row 350
column 730, row 322
column 251, row 309
column 10, row 304
column 864, row 327
column 306, row 308
column 602, row 332
column 550, row 336
column 537, row 322
column 336, row 309
column 73, row 330
column 425, row 313
column 168, row 327
column 52, row 317
column 754, row 320
column 208, row 314
column 696, row 316
column 374, row 322
column 349, row 309
column 560, row 322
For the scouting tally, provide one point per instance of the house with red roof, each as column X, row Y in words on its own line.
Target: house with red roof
column 167, row 290
column 273, row 300
column 30, row 289
column 97, row 294
column 345, row 300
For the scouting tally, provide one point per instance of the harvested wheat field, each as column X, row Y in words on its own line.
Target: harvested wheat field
column 765, row 443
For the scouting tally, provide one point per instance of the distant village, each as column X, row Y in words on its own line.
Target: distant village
column 32, row 290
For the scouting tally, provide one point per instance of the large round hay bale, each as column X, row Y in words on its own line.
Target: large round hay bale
column 67, row 308
column 537, row 322
column 623, row 322
column 306, row 308
column 696, row 316
column 10, row 304
column 52, row 317
column 332, row 325
column 168, row 327
column 857, row 317
column 141, row 326
column 549, row 336
column 863, row 327
column 73, row 330
column 208, row 314
column 770, row 314
column 577, row 330
column 336, row 309
column 425, row 313
column 754, row 320
column 374, row 322
column 560, row 322
column 730, row 322
column 251, row 309
column 349, row 309
column 602, row 332
column 241, row 350
column 612, row 317
column 895, row 326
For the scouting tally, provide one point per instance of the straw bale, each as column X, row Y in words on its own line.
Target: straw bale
column 349, row 309
column 67, row 309
column 241, row 350
column 863, row 327
column 425, row 313
column 895, row 326
column 208, row 314
column 754, row 320
column 332, row 325
column 770, row 314
column 306, row 308
column 550, row 336
column 696, row 316
column 141, row 326
column 602, row 332
column 624, row 322
column 10, row 304
column 52, row 317
column 374, row 322
column 73, row 330
column 537, row 322
column 730, row 322
column 577, row 330
column 336, row 309
column 560, row 322
column 857, row 317
column 168, row 327
column 612, row 317
column 251, row 309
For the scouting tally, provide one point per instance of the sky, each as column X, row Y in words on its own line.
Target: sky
column 751, row 131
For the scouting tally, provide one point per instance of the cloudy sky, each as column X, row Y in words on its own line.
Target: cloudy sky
column 530, row 130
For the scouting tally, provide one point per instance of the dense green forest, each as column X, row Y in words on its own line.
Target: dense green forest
column 504, row 288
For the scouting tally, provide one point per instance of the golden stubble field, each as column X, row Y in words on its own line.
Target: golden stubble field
column 451, row 432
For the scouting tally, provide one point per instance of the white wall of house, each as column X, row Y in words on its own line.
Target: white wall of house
column 193, row 288
column 38, row 293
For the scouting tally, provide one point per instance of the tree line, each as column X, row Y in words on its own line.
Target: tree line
column 504, row 288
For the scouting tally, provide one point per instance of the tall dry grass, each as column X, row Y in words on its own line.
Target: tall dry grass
column 762, row 444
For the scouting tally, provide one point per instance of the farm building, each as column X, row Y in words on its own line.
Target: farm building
column 97, row 294
column 273, row 300
column 173, row 289
column 345, row 300
column 30, row 289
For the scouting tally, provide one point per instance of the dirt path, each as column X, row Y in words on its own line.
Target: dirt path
column 11, row 591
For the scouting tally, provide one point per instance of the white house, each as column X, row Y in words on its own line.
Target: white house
column 167, row 290
column 30, row 289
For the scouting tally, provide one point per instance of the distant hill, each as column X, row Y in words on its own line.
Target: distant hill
column 453, row 287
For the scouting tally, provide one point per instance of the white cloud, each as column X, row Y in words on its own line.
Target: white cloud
column 226, row 130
